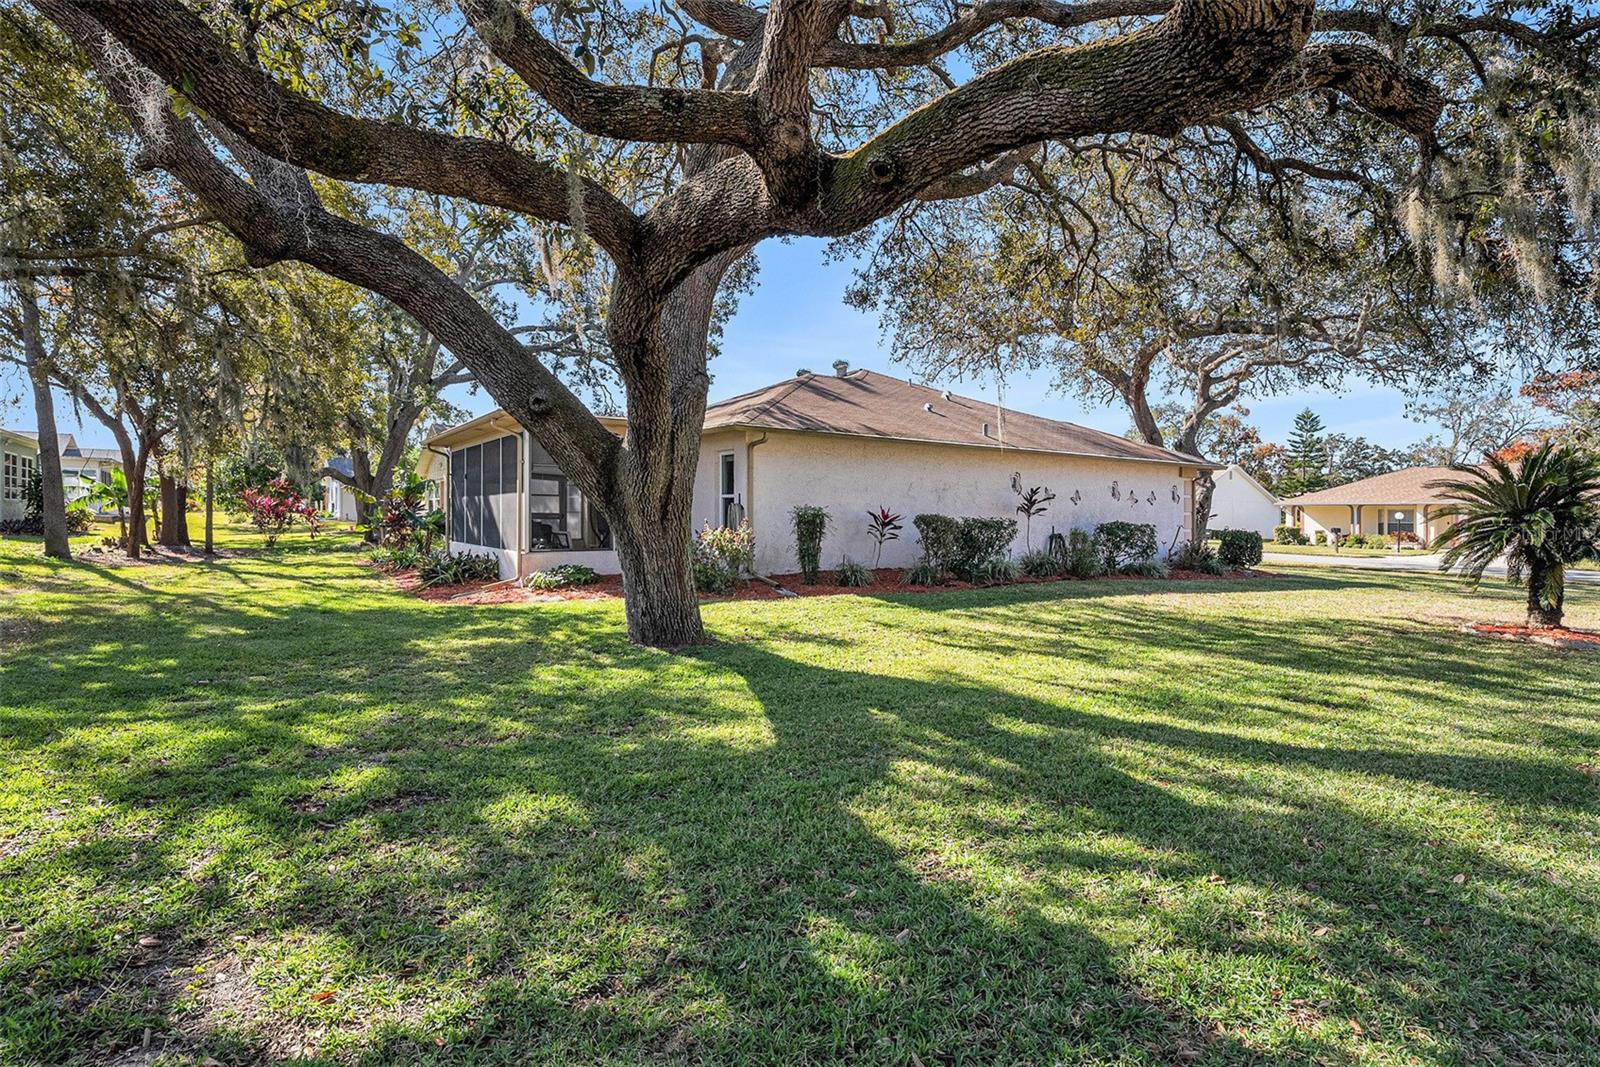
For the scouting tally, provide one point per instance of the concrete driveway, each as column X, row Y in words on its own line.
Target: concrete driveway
column 1421, row 562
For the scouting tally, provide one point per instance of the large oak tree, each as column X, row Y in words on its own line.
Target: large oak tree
column 800, row 119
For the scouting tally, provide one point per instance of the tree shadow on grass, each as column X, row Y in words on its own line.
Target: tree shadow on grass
column 757, row 854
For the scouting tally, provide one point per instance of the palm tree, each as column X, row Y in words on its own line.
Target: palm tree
column 1541, row 512
column 113, row 494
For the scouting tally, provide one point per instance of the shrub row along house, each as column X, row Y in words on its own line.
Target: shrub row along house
column 851, row 442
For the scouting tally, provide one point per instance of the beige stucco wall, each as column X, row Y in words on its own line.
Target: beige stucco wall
column 852, row 476
column 1326, row 517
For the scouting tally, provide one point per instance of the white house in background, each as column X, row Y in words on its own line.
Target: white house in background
column 338, row 499
column 1239, row 502
column 19, row 454
column 851, row 442
column 82, row 467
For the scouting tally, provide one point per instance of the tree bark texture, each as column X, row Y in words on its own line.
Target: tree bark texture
column 174, row 527
column 54, row 517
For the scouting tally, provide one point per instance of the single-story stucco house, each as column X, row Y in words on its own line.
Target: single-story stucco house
column 19, row 452
column 1239, row 502
column 1399, row 502
column 338, row 499
column 852, row 442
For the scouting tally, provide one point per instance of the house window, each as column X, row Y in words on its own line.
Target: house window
column 18, row 470
column 483, row 493
column 725, row 494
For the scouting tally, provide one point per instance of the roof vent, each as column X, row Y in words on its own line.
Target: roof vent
column 928, row 408
column 986, row 429
column 841, row 367
column 802, row 373
column 944, row 394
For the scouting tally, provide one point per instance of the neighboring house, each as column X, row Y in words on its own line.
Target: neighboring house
column 1395, row 503
column 338, row 499
column 82, row 467
column 850, row 442
column 19, row 453
column 1239, row 502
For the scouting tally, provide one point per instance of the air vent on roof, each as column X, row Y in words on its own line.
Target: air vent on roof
column 841, row 367
column 986, row 429
column 928, row 408
column 802, row 373
column 944, row 395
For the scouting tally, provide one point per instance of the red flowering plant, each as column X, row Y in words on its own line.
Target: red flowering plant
column 274, row 507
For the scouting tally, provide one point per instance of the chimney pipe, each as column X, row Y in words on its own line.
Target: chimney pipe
column 841, row 367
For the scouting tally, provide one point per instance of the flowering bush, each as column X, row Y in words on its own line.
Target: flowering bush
column 275, row 507
column 721, row 555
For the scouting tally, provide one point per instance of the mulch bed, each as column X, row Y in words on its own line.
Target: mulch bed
column 1555, row 636
column 885, row 580
column 154, row 554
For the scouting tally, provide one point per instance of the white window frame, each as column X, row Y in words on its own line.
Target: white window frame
column 727, row 485
column 18, row 468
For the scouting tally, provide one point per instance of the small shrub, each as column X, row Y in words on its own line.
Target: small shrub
column 33, row 524
column 1082, row 561
column 1238, row 549
column 1041, row 564
column 275, row 507
column 941, row 542
column 444, row 568
column 1123, row 544
column 79, row 520
column 1319, row 537
column 561, row 576
column 397, row 557
column 721, row 556
column 982, row 541
column 852, row 575
column 1288, row 535
column 996, row 571
column 923, row 573
column 810, row 523
column 1145, row 568
column 1195, row 556
column 1056, row 545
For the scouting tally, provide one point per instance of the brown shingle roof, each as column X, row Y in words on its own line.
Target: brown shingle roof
column 868, row 404
column 1407, row 486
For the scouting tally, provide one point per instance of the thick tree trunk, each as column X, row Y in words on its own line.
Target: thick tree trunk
column 210, row 505
column 174, row 528
column 134, row 468
column 661, row 351
column 1205, row 487
column 1543, row 613
column 54, row 516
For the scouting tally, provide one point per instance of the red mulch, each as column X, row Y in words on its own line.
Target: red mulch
column 1559, row 636
column 885, row 580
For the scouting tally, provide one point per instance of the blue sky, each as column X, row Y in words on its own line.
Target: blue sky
column 797, row 318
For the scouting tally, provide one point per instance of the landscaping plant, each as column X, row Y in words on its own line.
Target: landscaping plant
column 1081, row 559
column 1288, row 535
column 882, row 525
column 721, row 555
column 1540, row 513
column 1238, row 549
column 810, row 523
column 940, row 536
column 275, row 507
column 445, row 568
column 852, row 575
column 561, row 576
column 1033, row 502
column 1041, row 564
column 1196, row 556
column 1122, row 545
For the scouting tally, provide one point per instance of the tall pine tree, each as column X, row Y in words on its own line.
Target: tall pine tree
column 1308, row 456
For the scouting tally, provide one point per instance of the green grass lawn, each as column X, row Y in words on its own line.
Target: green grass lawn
column 1328, row 550
column 269, row 807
